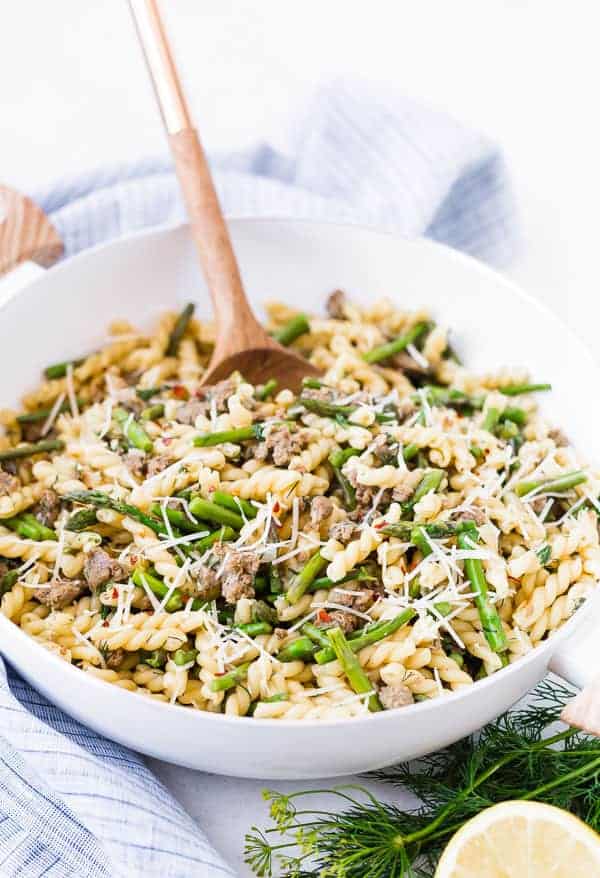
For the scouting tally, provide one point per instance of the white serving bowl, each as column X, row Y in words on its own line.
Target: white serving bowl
column 65, row 311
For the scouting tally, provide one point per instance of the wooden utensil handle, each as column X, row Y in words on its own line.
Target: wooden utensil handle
column 211, row 235
column 26, row 233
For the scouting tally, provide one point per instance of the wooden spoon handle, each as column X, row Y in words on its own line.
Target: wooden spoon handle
column 26, row 233
column 232, row 311
column 211, row 235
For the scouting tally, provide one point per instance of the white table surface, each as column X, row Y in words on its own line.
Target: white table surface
column 74, row 94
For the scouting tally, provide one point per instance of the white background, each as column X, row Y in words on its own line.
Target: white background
column 74, row 94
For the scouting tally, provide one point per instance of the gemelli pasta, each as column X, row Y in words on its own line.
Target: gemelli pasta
column 398, row 530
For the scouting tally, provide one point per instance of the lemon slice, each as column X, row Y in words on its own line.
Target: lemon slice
column 522, row 840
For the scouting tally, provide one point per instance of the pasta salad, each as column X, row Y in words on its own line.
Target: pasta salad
column 397, row 530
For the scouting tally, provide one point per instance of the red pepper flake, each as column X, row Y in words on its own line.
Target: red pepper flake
column 115, row 592
column 323, row 616
column 276, row 507
column 180, row 392
column 380, row 524
column 105, row 623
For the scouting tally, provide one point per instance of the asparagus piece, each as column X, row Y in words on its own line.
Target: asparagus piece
column 302, row 649
column 554, row 484
column 410, row 451
column 147, row 393
column 228, row 681
column 102, row 501
column 444, row 608
column 490, row 620
column 508, row 430
column 352, row 668
column 490, row 422
column 368, row 636
column 337, row 459
column 516, row 415
column 313, row 383
column 430, row 482
column 275, row 582
column 324, row 408
column 156, row 659
column 183, row 656
column 8, row 581
column 41, row 415
column 394, row 347
column 133, row 432
column 41, row 531
column 29, row 449
column 59, row 370
column 361, row 575
column 405, row 529
column 317, row 635
column 153, row 412
column 518, row 389
column 158, row 587
column 448, row 396
column 241, row 434
column 268, row 389
column 81, row 520
column 305, row 577
column 179, row 519
column 236, row 504
column 213, row 512
column 253, row 629
column 292, row 330
column 222, row 535
column 178, row 330
column 419, row 539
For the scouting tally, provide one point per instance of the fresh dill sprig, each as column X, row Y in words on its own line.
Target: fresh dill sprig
column 519, row 756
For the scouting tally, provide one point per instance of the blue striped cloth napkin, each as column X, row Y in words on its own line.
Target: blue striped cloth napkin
column 73, row 804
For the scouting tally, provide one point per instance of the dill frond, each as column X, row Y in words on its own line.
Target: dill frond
column 519, row 756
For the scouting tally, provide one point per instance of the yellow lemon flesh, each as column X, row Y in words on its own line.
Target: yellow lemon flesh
column 522, row 840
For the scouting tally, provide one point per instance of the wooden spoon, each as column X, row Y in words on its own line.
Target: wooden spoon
column 26, row 233
column 242, row 343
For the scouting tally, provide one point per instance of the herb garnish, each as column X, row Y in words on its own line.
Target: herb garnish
column 516, row 757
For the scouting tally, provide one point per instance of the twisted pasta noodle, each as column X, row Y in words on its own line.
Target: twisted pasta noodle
column 449, row 670
column 192, row 695
column 17, row 501
column 12, row 546
column 96, row 364
column 97, row 457
column 311, row 457
column 115, row 678
column 189, row 366
column 476, row 644
column 143, row 358
column 150, row 631
column 356, row 551
column 279, row 482
column 199, row 469
column 543, row 596
column 61, row 474
column 174, row 680
column 14, row 602
column 149, row 678
column 421, row 684
column 562, row 608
